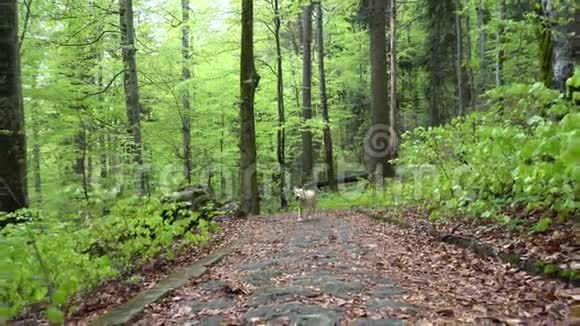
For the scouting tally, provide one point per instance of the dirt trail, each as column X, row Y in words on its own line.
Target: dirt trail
column 345, row 268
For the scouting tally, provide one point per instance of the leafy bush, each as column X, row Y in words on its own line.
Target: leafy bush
column 524, row 151
column 52, row 258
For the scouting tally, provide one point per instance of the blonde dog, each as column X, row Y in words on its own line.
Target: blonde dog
column 306, row 200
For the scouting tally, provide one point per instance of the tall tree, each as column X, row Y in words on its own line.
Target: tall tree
column 482, row 45
column 307, row 154
column 185, row 98
column 328, row 154
column 459, row 60
column 36, row 160
column 440, row 15
column 13, row 186
column 377, row 147
column 281, row 133
column 131, row 87
column 394, row 111
column 561, row 19
column 249, row 80
column 499, row 60
column 467, row 68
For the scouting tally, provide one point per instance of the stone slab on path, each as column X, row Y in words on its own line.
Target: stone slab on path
column 124, row 313
column 343, row 268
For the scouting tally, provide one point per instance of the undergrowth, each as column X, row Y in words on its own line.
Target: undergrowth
column 52, row 258
column 523, row 153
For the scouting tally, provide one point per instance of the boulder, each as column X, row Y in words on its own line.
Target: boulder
column 196, row 196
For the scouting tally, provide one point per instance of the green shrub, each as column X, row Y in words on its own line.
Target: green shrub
column 52, row 258
column 523, row 151
column 512, row 154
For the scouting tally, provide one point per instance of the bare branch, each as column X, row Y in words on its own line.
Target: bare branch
column 104, row 89
column 27, row 4
column 267, row 65
column 90, row 42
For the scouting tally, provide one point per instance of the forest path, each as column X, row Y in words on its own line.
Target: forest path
column 345, row 268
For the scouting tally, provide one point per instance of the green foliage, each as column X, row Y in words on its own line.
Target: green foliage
column 573, row 86
column 550, row 269
column 542, row 226
column 54, row 257
column 510, row 156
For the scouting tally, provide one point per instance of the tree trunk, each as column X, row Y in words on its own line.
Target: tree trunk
column 104, row 155
column 328, row 155
column 13, row 188
column 36, row 161
column 281, row 134
column 394, row 112
column 458, row 61
column 499, row 81
column 186, row 75
column 307, row 154
column 249, row 80
column 222, row 175
column 557, row 47
column 131, row 87
column 440, row 44
column 482, row 46
column 80, row 142
column 468, row 68
column 377, row 147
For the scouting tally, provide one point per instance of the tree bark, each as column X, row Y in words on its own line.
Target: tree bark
column 468, row 67
column 249, row 80
column 131, row 87
column 80, row 142
column 281, row 133
column 482, row 46
column 558, row 48
column 459, row 60
column 13, row 186
column 377, row 149
column 440, row 43
column 307, row 152
column 394, row 111
column 499, row 81
column 36, row 161
column 185, row 98
column 328, row 152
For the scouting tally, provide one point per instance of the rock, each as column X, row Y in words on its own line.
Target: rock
column 267, row 295
column 293, row 312
column 331, row 285
column 231, row 209
column 212, row 286
column 377, row 322
column 260, row 278
column 270, row 262
column 383, row 292
column 196, row 196
column 379, row 305
column 315, row 320
column 222, row 303
column 211, row 321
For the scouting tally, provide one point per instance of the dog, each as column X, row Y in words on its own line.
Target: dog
column 306, row 200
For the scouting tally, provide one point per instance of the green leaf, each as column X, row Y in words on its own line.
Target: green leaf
column 39, row 293
column 59, row 297
column 54, row 315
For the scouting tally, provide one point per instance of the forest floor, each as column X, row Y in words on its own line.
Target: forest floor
column 342, row 267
